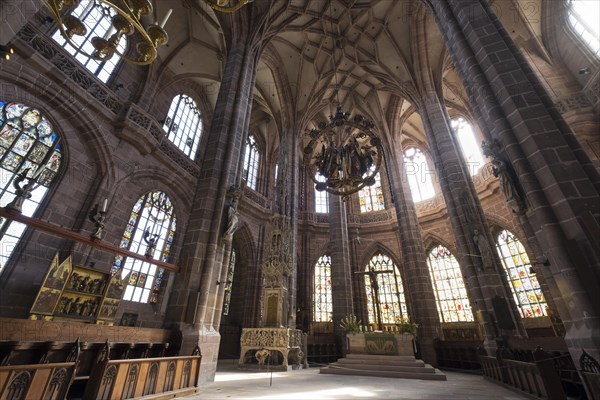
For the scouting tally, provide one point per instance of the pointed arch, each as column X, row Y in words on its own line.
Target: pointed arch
column 448, row 286
column 150, row 230
column 183, row 124
column 30, row 158
column 322, row 293
column 523, row 283
column 389, row 289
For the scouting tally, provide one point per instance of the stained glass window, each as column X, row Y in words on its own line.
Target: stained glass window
column 418, row 174
column 584, row 18
column 449, row 289
column 371, row 197
column 251, row 158
column 229, row 283
column 468, row 144
column 97, row 19
column 523, row 284
column 183, row 124
column 321, row 197
column 152, row 219
column 27, row 142
column 391, row 292
column 322, row 295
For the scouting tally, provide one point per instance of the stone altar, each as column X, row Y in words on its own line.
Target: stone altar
column 290, row 343
column 381, row 343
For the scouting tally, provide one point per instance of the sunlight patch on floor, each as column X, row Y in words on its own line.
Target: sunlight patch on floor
column 242, row 376
column 337, row 393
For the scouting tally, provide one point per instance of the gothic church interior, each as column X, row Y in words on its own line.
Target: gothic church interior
column 186, row 198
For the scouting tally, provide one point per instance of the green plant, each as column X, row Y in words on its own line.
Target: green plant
column 405, row 326
column 350, row 324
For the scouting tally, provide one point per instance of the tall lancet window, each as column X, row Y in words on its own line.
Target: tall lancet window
column 322, row 304
column 150, row 231
column 471, row 150
column 229, row 283
column 584, row 18
column 371, row 197
column 251, row 159
column 449, row 289
column 418, row 174
column 523, row 284
column 391, row 293
column 27, row 142
column 183, row 124
column 321, row 198
column 97, row 19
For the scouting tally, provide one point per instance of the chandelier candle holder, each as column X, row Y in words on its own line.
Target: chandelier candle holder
column 125, row 22
column 227, row 6
column 345, row 152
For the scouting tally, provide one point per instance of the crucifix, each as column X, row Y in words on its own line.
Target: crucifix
column 375, row 292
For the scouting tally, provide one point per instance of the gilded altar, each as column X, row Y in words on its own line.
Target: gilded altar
column 289, row 343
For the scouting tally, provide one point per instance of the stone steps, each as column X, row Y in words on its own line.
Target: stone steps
column 405, row 367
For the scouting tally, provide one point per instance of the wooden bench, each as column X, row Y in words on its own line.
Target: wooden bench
column 127, row 378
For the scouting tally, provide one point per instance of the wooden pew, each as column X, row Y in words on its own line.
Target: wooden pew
column 128, row 378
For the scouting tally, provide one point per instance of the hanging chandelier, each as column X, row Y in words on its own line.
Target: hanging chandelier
column 125, row 17
column 227, row 6
column 344, row 155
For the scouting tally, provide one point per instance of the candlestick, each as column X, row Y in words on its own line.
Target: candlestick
column 166, row 18
column 104, row 206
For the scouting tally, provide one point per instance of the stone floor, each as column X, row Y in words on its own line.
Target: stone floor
column 231, row 383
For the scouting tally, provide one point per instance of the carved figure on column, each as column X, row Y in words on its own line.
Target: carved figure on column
column 484, row 249
column 233, row 193
column 506, row 177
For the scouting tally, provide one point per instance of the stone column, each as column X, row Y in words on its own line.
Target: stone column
column 491, row 299
column 341, row 270
column 560, row 183
column 416, row 278
column 193, row 300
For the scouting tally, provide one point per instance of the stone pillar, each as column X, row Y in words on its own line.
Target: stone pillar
column 193, row 302
column 416, row 278
column 491, row 299
column 560, row 183
column 341, row 270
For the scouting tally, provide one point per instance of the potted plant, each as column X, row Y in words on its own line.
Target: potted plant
column 350, row 324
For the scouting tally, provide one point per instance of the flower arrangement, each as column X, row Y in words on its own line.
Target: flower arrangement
column 405, row 326
column 350, row 324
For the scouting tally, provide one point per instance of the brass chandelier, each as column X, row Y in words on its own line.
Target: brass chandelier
column 346, row 153
column 227, row 6
column 125, row 16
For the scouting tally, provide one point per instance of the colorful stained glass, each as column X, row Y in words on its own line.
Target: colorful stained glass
column 370, row 198
column 21, row 149
column 152, row 213
column 391, row 292
column 449, row 288
column 229, row 283
column 322, row 303
column 523, row 284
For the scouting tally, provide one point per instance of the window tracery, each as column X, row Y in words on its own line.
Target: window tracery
column 418, row 174
column 322, row 303
column 391, row 291
column 371, row 197
column 251, row 159
column 471, row 150
column 229, row 282
column 183, row 124
column 448, row 286
column 29, row 143
column 523, row 284
column 321, row 197
column 584, row 18
column 152, row 213
column 97, row 19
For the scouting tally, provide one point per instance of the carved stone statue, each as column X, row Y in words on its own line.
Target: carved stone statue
column 506, row 176
column 484, row 248
column 261, row 356
column 232, row 222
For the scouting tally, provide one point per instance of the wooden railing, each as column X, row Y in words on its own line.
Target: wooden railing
column 128, row 378
column 36, row 381
column 538, row 378
column 461, row 355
